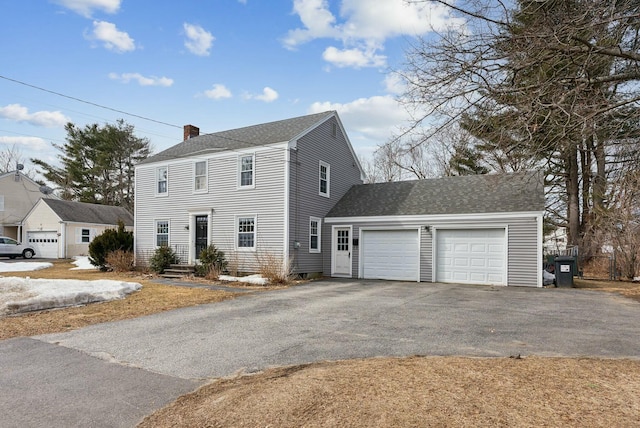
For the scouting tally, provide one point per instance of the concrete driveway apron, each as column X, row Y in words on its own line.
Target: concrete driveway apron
column 324, row 320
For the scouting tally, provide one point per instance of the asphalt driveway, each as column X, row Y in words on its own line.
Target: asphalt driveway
column 151, row 360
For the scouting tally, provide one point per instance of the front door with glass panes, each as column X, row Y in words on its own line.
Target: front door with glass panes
column 202, row 233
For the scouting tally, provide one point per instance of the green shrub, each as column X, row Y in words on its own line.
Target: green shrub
column 212, row 262
column 107, row 242
column 162, row 258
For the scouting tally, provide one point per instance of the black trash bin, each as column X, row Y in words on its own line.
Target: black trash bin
column 564, row 270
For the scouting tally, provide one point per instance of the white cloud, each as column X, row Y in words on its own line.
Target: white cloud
column 268, row 95
column 49, row 119
column 87, row 7
column 394, row 84
column 369, row 121
column 199, row 41
column 142, row 80
column 33, row 144
column 218, row 91
column 112, row 38
column 363, row 26
column 355, row 58
column 318, row 20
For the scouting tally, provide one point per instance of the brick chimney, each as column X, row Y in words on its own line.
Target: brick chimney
column 191, row 131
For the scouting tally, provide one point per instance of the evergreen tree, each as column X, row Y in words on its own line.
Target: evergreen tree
column 97, row 164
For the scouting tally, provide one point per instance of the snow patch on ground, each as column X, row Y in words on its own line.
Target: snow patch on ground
column 23, row 266
column 25, row 294
column 250, row 279
column 82, row 263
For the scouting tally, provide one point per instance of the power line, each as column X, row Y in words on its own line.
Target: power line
column 88, row 102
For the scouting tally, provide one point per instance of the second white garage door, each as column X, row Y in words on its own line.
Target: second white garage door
column 391, row 254
column 471, row 256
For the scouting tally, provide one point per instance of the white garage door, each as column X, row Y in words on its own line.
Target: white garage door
column 391, row 254
column 45, row 243
column 472, row 256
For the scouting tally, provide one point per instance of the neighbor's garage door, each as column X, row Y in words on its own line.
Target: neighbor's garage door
column 472, row 256
column 391, row 254
column 45, row 244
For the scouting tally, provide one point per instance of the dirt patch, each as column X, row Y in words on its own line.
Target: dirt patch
column 626, row 288
column 419, row 391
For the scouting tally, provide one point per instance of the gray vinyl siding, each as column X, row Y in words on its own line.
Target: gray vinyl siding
column 304, row 199
column 523, row 256
column 522, row 244
column 223, row 202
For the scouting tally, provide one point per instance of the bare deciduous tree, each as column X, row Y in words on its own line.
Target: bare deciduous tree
column 548, row 84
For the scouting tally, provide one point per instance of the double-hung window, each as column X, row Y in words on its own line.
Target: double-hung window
column 85, row 235
column 162, row 180
column 247, row 170
column 200, row 176
column 324, row 176
column 246, row 227
column 162, row 233
column 314, row 235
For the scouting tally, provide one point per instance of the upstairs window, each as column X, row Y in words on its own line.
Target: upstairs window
column 324, row 179
column 246, row 166
column 200, row 177
column 162, row 180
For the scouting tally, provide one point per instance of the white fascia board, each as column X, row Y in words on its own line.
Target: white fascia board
column 442, row 218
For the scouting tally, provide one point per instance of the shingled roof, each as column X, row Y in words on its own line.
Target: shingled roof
column 81, row 212
column 491, row 193
column 241, row 138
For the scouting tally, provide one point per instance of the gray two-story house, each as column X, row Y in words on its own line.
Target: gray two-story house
column 257, row 193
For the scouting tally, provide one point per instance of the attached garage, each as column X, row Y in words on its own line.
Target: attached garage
column 471, row 256
column 480, row 229
column 391, row 254
column 44, row 242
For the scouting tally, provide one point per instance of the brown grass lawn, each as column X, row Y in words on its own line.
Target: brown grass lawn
column 389, row 392
column 152, row 298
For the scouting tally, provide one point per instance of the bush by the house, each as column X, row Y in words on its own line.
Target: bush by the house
column 120, row 261
column 274, row 267
column 212, row 263
column 107, row 242
column 163, row 258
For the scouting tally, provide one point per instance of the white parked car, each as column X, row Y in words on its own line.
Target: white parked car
column 11, row 248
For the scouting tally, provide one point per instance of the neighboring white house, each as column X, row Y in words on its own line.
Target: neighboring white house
column 59, row 229
column 18, row 194
column 556, row 241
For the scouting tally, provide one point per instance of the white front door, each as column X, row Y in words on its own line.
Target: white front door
column 342, row 251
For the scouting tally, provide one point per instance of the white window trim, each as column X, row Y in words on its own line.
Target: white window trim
column 328, row 179
column 92, row 234
column 253, row 171
column 206, row 177
column 155, row 232
column 156, row 180
column 318, row 234
column 255, row 232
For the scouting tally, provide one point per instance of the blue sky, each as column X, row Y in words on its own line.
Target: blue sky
column 216, row 64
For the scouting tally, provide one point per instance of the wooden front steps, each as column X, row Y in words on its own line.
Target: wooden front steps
column 179, row 271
